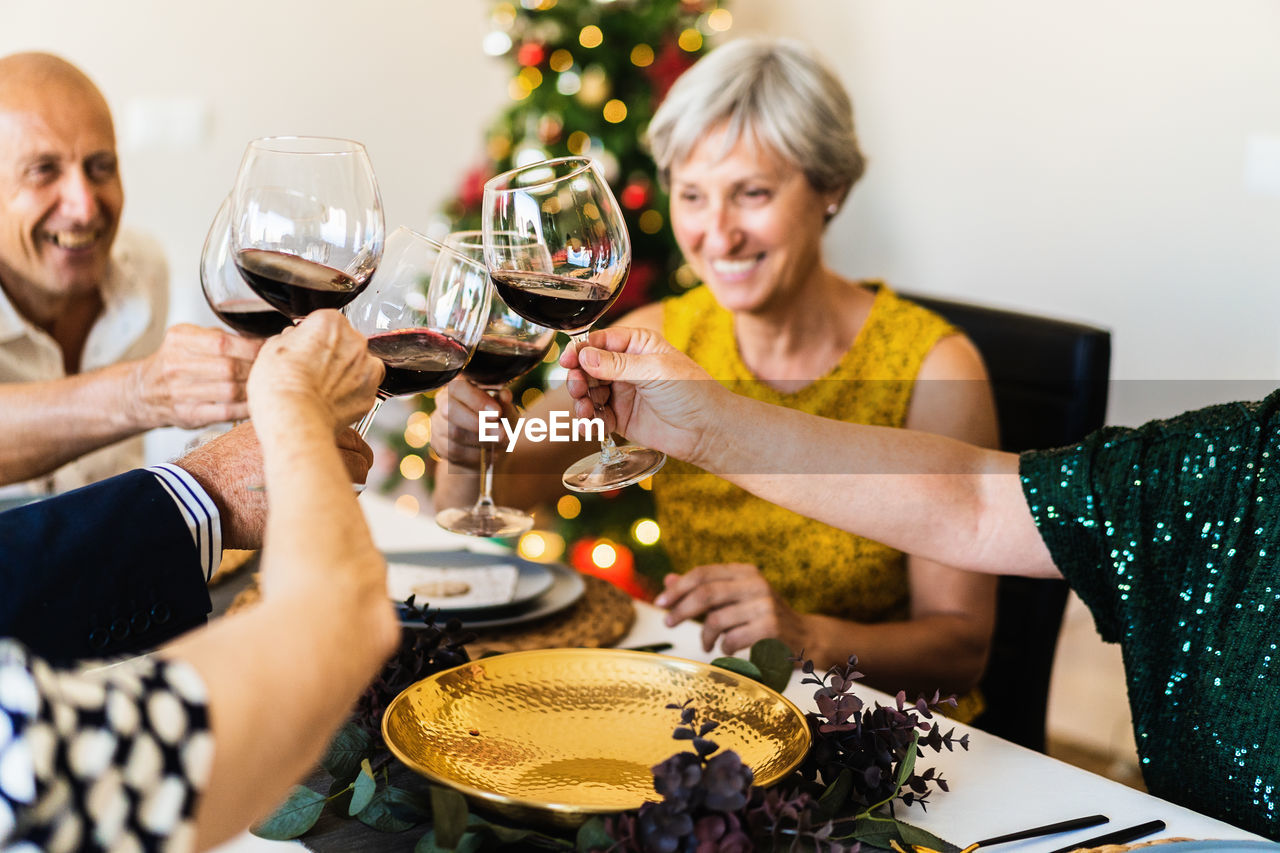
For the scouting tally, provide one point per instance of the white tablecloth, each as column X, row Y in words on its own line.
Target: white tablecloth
column 996, row 786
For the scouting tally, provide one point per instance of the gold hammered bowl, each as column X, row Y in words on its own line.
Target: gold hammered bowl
column 555, row 736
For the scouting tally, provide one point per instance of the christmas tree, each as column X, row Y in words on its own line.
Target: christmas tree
column 587, row 76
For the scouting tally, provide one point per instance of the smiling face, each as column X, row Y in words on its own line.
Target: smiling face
column 748, row 222
column 60, row 190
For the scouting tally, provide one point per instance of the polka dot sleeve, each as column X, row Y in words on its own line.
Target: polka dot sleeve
column 112, row 759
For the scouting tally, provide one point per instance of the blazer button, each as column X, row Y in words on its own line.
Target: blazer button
column 98, row 639
column 120, row 628
column 160, row 613
column 140, row 622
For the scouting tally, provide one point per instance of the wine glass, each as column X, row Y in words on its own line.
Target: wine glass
column 306, row 222
column 566, row 205
column 226, row 291
column 423, row 314
column 510, row 347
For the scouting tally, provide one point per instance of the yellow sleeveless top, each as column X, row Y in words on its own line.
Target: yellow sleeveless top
column 814, row 567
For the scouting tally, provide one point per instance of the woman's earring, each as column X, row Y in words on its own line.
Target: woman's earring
column 832, row 209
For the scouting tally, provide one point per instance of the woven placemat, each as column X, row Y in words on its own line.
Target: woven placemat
column 601, row 617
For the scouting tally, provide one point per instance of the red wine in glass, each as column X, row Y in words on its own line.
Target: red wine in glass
column 499, row 360
column 558, row 302
column 295, row 285
column 566, row 205
column 417, row 360
column 250, row 317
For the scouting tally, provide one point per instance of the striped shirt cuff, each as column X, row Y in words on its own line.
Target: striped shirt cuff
column 199, row 511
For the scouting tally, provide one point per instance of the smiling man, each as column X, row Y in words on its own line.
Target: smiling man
column 86, row 365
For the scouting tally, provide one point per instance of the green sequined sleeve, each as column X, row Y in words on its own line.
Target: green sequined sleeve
column 1145, row 522
column 1073, row 500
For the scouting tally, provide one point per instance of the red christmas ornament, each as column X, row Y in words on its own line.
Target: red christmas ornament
column 531, row 53
column 669, row 64
column 636, row 195
column 471, row 189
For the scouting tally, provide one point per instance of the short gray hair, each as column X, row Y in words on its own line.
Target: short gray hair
column 772, row 90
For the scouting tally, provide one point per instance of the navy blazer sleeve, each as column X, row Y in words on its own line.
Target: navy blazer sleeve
column 104, row 570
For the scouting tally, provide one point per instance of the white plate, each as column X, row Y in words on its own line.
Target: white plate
column 563, row 587
column 532, row 579
column 453, row 587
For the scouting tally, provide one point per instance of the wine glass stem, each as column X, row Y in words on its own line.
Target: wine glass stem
column 484, row 503
column 608, row 450
column 363, row 427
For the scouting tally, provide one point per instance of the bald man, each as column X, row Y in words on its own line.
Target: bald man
column 86, row 364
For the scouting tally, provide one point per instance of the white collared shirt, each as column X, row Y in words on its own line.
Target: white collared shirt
column 135, row 296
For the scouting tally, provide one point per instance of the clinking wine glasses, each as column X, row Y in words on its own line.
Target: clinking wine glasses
column 306, row 222
column 510, row 347
column 424, row 314
column 567, row 207
column 226, row 291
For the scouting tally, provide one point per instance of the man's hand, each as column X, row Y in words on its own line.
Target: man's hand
column 229, row 468
column 196, row 378
column 323, row 364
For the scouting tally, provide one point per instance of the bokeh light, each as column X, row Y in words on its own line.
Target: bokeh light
column 646, row 531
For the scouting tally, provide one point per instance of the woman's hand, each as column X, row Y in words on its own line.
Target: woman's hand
column 645, row 389
column 455, row 424
column 736, row 604
column 322, row 363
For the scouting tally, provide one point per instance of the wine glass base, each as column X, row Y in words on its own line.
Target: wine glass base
column 593, row 474
column 497, row 521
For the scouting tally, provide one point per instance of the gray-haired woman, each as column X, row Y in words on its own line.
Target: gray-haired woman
column 757, row 147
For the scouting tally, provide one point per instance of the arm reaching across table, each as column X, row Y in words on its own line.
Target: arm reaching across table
column 921, row 493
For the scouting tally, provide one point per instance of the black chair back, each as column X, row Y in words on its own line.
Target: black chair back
column 1050, row 382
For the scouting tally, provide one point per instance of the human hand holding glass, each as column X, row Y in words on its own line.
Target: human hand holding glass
column 567, row 206
column 306, row 222
column 510, row 347
column 423, row 315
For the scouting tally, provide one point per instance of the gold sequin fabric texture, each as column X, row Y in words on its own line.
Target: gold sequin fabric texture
column 1170, row 533
column 816, row 568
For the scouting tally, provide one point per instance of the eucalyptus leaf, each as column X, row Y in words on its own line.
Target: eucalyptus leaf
column 449, row 810
column 349, row 747
column 593, row 836
column 772, row 657
column 295, row 816
column 413, row 806
column 379, row 814
column 876, row 833
column 911, row 834
column 363, row 790
column 469, row 843
column 908, row 764
column 742, row 667
column 836, row 795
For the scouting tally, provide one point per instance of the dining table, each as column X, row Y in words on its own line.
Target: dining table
column 995, row 786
